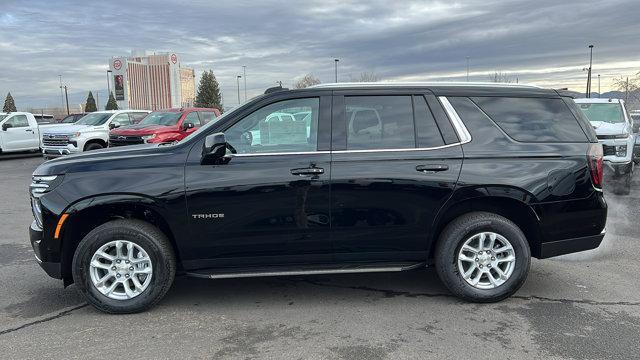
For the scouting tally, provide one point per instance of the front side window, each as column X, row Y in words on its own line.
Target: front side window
column 207, row 116
column 274, row 128
column 94, row 119
column 192, row 118
column 70, row 119
column 18, row 121
column 610, row 113
column 121, row 120
column 379, row 122
column 136, row 117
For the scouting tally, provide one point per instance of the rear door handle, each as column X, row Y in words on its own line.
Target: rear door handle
column 432, row 168
column 307, row 171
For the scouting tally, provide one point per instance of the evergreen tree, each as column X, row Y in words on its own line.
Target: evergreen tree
column 111, row 104
column 209, row 92
column 90, row 106
column 9, row 105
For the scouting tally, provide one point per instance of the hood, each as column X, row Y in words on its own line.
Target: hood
column 142, row 129
column 69, row 129
column 605, row 128
column 86, row 160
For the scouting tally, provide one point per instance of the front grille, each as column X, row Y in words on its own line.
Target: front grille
column 122, row 140
column 608, row 150
column 55, row 140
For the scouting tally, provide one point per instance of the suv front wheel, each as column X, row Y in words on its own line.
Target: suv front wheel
column 124, row 266
column 482, row 257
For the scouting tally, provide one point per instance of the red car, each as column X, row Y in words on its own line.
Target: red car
column 163, row 126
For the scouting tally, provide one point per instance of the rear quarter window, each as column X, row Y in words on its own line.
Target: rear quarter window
column 533, row 119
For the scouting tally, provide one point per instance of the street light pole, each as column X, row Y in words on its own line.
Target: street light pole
column 66, row 95
column 238, row 83
column 336, row 68
column 61, row 96
column 109, row 82
column 589, row 71
column 467, row 69
column 599, row 93
column 244, row 77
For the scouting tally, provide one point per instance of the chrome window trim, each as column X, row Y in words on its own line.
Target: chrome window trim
column 458, row 125
column 279, row 153
column 456, row 121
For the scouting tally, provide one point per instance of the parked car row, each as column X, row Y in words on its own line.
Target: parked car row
column 76, row 133
column 616, row 132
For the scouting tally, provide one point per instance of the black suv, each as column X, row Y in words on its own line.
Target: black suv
column 473, row 179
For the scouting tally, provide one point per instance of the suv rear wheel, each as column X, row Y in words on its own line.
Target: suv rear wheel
column 482, row 257
column 124, row 266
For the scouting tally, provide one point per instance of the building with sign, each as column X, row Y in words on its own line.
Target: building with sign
column 151, row 82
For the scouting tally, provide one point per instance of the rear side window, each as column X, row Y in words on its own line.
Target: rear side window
column 379, row 122
column 207, row 116
column 427, row 132
column 533, row 119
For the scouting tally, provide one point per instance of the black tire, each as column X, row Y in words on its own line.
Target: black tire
column 93, row 146
column 453, row 237
column 624, row 186
column 152, row 240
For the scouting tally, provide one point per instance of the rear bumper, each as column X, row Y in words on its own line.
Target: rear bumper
column 568, row 246
column 52, row 269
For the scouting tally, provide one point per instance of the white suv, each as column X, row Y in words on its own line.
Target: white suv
column 614, row 128
column 91, row 132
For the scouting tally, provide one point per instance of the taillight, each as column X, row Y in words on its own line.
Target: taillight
column 594, row 157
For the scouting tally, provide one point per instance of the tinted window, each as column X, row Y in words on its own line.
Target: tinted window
column 379, row 122
column 427, row 132
column 69, row 119
column 274, row 128
column 533, row 119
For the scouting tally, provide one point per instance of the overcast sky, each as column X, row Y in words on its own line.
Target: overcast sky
column 541, row 42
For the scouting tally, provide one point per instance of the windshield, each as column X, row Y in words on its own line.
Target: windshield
column 69, row 119
column 611, row 113
column 94, row 119
column 161, row 118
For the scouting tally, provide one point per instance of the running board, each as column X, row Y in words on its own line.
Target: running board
column 274, row 271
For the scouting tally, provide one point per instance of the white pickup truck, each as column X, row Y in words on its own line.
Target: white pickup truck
column 19, row 132
column 91, row 132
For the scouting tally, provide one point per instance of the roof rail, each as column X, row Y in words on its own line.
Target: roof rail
column 275, row 89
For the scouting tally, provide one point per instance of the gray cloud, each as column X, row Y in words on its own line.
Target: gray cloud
column 542, row 42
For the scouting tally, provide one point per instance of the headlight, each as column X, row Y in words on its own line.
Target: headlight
column 40, row 185
column 37, row 211
column 621, row 136
column 75, row 135
column 148, row 137
column 621, row 150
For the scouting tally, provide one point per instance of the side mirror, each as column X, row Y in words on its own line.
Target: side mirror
column 187, row 126
column 113, row 126
column 214, row 149
column 5, row 126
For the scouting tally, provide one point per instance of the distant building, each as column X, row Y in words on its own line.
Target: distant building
column 151, row 82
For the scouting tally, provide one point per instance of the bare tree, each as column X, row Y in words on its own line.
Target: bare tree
column 630, row 86
column 501, row 77
column 366, row 77
column 306, row 81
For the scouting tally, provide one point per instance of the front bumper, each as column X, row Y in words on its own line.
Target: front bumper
column 568, row 246
column 57, row 151
column 617, row 171
column 52, row 269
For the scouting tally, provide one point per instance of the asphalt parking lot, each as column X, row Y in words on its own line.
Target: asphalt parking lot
column 584, row 306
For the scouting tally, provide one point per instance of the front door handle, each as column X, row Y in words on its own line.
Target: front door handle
column 432, row 168
column 29, row 130
column 307, row 171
